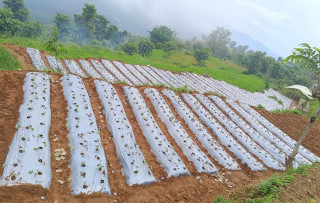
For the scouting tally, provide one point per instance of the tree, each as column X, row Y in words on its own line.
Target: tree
column 169, row 47
column 101, row 27
column 160, row 35
column 63, row 24
column 31, row 29
column 201, row 55
column 7, row 23
column 218, row 42
column 85, row 23
column 18, row 8
column 129, row 48
column 308, row 58
column 145, row 47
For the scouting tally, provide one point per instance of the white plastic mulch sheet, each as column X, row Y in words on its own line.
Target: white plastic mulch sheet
column 160, row 146
column 102, row 70
column 266, row 133
column 266, row 144
column 284, row 137
column 28, row 159
column 147, row 75
column 131, row 158
column 241, row 136
column 110, row 67
column 128, row 74
column 35, row 56
column 164, row 77
column 214, row 149
column 184, row 141
column 56, row 65
column 224, row 137
column 74, row 68
column 135, row 72
column 88, row 161
column 154, row 75
column 89, row 69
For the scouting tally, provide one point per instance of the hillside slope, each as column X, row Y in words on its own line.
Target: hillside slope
column 200, row 187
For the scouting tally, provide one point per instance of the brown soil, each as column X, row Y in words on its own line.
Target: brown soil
column 181, row 189
column 21, row 55
column 293, row 125
column 303, row 188
column 11, row 98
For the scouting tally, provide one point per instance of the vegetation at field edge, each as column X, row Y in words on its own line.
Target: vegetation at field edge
column 267, row 190
column 7, row 61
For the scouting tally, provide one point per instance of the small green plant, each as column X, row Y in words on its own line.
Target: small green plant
column 183, row 89
column 221, row 199
column 121, row 82
column 260, row 106
column 294, row 111
column 52, row 44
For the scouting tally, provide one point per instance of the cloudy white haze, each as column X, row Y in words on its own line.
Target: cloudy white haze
column 279, row 24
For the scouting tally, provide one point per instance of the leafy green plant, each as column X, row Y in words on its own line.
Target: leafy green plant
column 52, row 44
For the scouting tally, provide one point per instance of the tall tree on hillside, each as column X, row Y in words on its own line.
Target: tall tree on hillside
column 308, row 58
column 160, row 35
column 8, row 24
column 201, row 55
column 145, row 47
column 63, row 24
column 218, row 41
column 85, row 23
column 101, row 27
column 18, row 8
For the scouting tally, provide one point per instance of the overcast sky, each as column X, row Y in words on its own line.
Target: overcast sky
column 279, row 24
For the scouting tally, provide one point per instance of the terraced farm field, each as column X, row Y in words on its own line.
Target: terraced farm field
column 136, row 75
column 99, row 130
column 68, row 138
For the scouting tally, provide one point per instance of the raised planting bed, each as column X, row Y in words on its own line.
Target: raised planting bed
column 214, row 149
column 56, row 65
column 127, row 73
column 263, row 142
column 266, row 133
column 276, row 131
column 131, row 158
column 89, row 69
column 88, row 161
column 74, row 68
column 103, row 71
column 224, row 137
column 164, row 77
column 147, row 75
column 110, row 67
column 241, row 136
column 154, row 75
column 182, row 138
column 158, row 142
column 37, row 62
column 28, row 159
column 136, row 73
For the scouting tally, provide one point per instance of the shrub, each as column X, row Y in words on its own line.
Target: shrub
column 129, row 48
column 145, row 47
column 201, row 55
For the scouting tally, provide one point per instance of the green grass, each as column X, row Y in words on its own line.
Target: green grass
column 294, row 111
column 7, row 61
column 314, row 104
column 178, row 61
column 267, row 190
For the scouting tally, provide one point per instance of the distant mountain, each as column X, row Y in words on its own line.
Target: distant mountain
column 245, row 39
